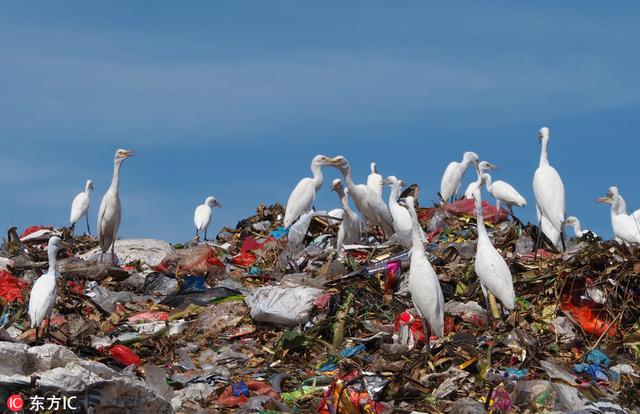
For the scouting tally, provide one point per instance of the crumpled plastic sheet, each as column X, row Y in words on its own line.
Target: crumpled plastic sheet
column 150, row 251
column 282, row 306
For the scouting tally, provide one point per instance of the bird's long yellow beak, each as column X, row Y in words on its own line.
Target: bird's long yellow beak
column 606, row 199
column 333, row 161
column 129, row 153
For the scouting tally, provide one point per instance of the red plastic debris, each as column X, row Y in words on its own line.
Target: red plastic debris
column 468, row 208
column 11, row 287
column 393, row 268
column 33, row 229
column 434, row 235
column 227, row 398
column 410, row 327
column 124, row 355
column 336, row 400
column 592, row 321
column 77, row 288
column 425, row 215
column 56, row 320
column 322, row 301
column 245, row 259
column 213, row 260
column 149, row 316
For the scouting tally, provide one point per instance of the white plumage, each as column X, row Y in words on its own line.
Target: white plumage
column 402, row 224
column 110, row 212
column 549, row 192
column 304, row 194
column 452, row 177
column 483, row 167
column 43, row 292
column 577, row 227
column 366, row 200
column 202, row 215
column 504, row 193
column 374, row 180
column 491, row 268
column 80, row 206
column 625, row 226
column 351, row 227
column 424, row 286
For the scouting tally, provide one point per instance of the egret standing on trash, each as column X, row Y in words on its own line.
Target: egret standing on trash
column 504, row 193
column 549, row 191
column 577, row 227
column 366, row 200
column 492, row 270
column 402, row 224
column 202, row 215
column 483, row 167
column 43, row 292
column 304, row 194
column 110, row 212
column 374, row 180
column 452, row 177
column 351, row 227
column 424, row 286
column 626, row 227
column 80, row 206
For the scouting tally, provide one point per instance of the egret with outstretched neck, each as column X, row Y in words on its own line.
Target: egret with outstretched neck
column 491, row 268
column 483, row 167
column 202, row 215
column 43, row 292
column 577, row 227
column 424, row 286
column 374, row 180
column 110, row 211
column 351, row 227
column 625, row 226
column 304, row 194
column 452, row 177
column 549, row 192
column 366, row 200
column 80, row 206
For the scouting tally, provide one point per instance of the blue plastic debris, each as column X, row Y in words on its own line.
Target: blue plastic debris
column 279, row 233
column 353, row 351
column 517, row 373
column 254, row 271
column 596, row 372
column 332, row 363
column 599, row 358
column 193, row 284
column 240, row 388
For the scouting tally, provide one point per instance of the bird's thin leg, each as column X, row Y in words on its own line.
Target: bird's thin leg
column 72, row 228
column 36, row 336
column 113, row 253
column 88, row 229
column 564, row 246
column 427, row 337
column 536, row 245
column 48, row 330
column 205, row 234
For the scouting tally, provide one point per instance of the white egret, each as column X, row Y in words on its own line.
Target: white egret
column 335, row 215
column 450, row 184
column 577, row 228
column 202, row 215
column 80, row 206
column 43, row 291
column 625, row 226
column 547, row 229
column 374, row 180
column 504, row 193
column 491, row 268
column 402, row 225
column 366, row 200
column 110, row 212
column 483, row 167
column 424, row 286
column 549, row 191
column 351, row 227
column 304, row 194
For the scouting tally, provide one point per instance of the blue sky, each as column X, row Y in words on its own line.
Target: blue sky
column 233, row 99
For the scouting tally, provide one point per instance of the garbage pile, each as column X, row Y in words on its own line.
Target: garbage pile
column 265, row 320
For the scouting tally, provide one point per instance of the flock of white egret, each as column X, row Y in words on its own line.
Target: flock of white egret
column 397, row 219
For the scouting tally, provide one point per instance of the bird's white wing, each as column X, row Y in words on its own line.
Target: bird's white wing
column 374, row 182
column 426, row 293
column 550, row 197
column 79, row 207
column 300, row 201
column 202, row 217
column 626, row 228
column 42, row 299
column 495, row 274
column 504, row 192
column 381, row 212
column 108, row 220
column 468, row 193
column 450, row 180
column 402, row 224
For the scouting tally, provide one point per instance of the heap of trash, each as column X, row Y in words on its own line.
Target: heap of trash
column 268, row 320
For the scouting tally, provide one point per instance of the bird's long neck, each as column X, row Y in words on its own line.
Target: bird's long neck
column 544, row 156
column 52, row 261
column 416, row 234
column 346, row 173
column 619, row 206
column 344, row 200
column 487, row 180
column 577, row 228
column 318, row 177
column 115, row 180
column 87, row 189
column 482, row 231
column 395, row 193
